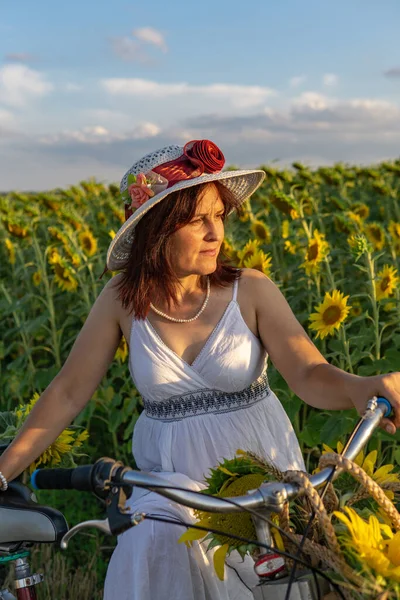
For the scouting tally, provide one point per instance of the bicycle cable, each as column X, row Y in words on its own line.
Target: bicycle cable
column 248, row 541
column 294, row 557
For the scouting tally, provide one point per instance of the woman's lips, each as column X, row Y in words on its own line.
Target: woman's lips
column 209, row 252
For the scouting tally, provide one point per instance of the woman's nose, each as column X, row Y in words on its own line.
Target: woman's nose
column 213, row 230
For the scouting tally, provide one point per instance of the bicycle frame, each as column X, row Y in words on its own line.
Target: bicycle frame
column 25, row 582
column 270, row 497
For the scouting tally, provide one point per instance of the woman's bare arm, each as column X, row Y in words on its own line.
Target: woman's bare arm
column 72, row 388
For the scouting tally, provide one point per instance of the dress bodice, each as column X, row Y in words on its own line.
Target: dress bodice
column 231, row 359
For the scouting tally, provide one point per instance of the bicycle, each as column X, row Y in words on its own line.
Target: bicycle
column 24, row 522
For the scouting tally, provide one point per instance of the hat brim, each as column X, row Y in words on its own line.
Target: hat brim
column 241, row 183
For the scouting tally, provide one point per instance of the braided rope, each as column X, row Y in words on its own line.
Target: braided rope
column 302, row 480
column 369, row 484
column 332, row 556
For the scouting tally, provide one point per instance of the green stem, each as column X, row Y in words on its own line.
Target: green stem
column 375, row 307
column 346, row 347
column 330, row 277
column 24, row 339
column 49, row 303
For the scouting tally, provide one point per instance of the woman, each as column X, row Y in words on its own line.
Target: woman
column 199, row 337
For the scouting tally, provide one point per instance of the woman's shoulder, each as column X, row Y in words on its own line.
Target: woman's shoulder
column 252, row 278
column 256, row 287
column 110, row 293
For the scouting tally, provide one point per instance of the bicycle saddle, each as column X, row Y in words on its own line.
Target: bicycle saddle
column 22, row 519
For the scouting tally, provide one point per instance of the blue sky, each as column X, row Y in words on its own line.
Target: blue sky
column 87, row 88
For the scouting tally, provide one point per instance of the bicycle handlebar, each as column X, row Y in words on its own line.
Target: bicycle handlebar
column 106, row 473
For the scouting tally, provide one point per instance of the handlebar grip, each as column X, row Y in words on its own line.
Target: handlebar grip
column 79, row 478
column 385, row 402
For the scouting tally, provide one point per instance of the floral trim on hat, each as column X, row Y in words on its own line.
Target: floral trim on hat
column 141, row 187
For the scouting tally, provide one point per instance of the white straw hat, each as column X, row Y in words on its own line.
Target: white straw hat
column 159, row 173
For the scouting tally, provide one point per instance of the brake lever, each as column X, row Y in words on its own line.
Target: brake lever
column 102, row 525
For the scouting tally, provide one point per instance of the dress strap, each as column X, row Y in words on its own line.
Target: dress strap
column 235, row 289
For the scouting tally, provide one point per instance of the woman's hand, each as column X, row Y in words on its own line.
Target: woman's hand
column 387, row 386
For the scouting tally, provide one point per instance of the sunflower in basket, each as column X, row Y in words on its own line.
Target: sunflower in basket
column 233, row 478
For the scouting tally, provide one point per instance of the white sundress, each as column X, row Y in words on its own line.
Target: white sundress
column 194, row 416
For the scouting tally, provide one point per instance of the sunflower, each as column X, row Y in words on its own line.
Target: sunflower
column 53, row 255
column 122, row 350
column 261, row 231
column 285, row 204
column 360, row 209
column 290, row 247
column 112, row 234
column 101, row 217
column 394, row 231
column 244, row 212
column 329, row 314
column 36, row 278
column 66, row 443
column 88, row 242
column 386, row 281
column 356, row 309
column 260, row 261
column 58, row 235
column 355, row 218
column 359, row 245
column 248, row 250
column 233, row 477
column 381, row 475
column 75, row 259
column 11, row 250
column 389, row 306
column 376, row 235
column 63, row 275
column 17, row 229
column 118, row 213
column 228, row 250
column 372, row 543
column 317, row 250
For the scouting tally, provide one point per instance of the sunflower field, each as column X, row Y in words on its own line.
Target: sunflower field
column 329, row 238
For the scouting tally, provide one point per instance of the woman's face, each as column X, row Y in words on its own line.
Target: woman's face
column 195, row 247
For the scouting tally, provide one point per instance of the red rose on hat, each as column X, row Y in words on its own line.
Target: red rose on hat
column 205, row 154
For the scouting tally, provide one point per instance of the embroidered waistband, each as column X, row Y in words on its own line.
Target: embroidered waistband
column 206, row 401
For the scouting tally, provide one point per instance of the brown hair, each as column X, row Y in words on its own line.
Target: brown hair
column 148, row 271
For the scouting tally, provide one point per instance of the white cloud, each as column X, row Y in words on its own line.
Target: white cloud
column 8, row 126
column 330, row 79
column 71, row 87
column 19, row 85
column 311, row 100
column 238, row 95
column 98, row 134
column 128, row 49
column 150, row 36
column 133, row 49
column 6, row 117
column 297, row 81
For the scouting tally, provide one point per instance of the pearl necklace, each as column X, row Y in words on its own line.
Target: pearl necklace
column 185, row 320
